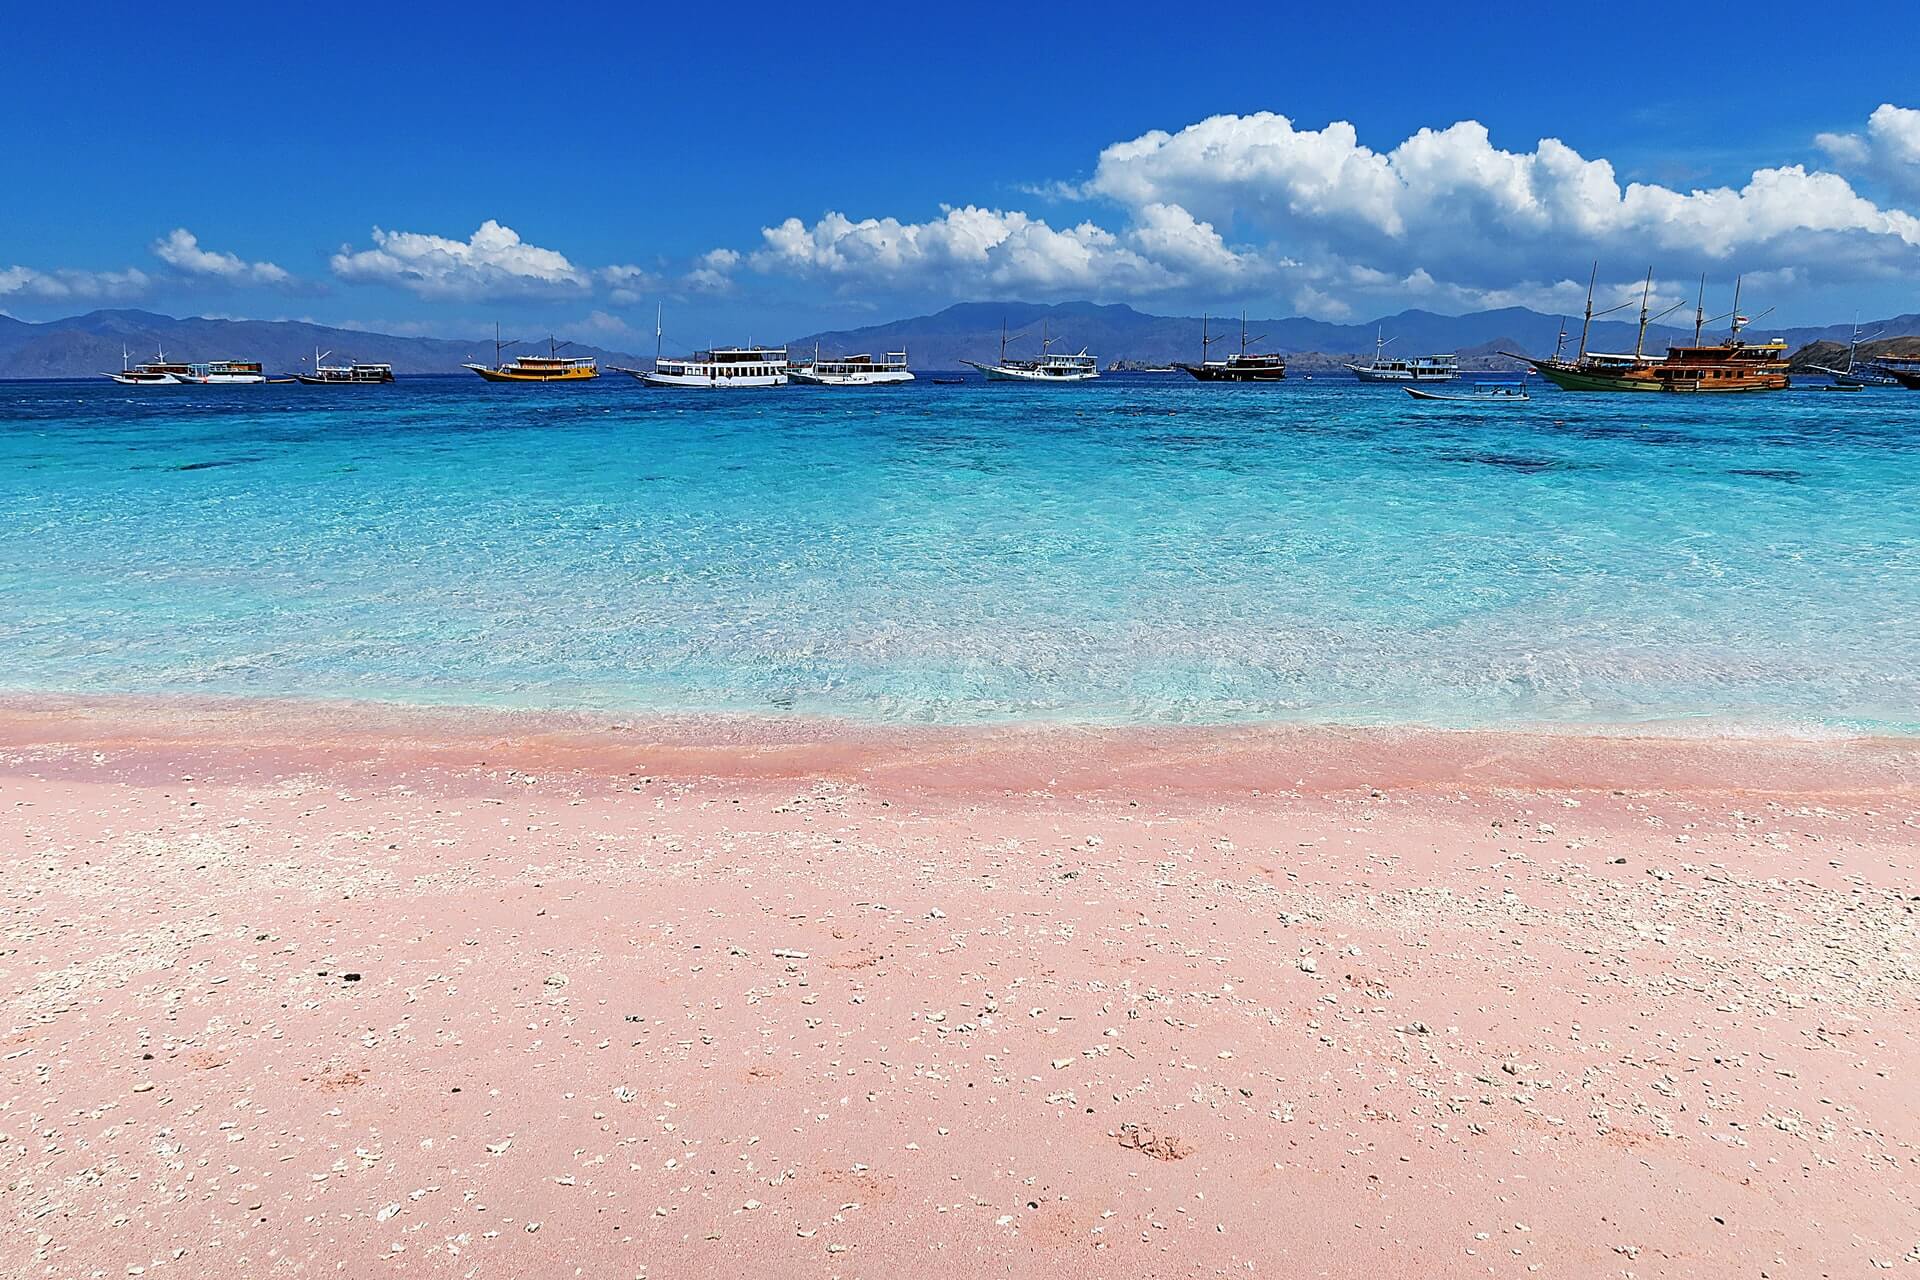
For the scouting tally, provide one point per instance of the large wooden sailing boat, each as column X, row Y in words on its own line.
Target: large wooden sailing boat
column 1244, row 366
column 1049, row 368
column 552, row 367
column 1727, row 366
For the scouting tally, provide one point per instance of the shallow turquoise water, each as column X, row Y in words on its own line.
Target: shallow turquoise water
column 1135, row 551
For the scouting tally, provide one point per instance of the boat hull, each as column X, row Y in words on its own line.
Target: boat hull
column 308, row 379
column 155, row 380
column 1003, row 373
column 1908, row 378
column 501, row 375
column 1582, row 380
column 887, row 378
column 708, row 382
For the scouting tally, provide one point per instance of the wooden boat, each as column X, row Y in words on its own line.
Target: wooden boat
column 1487, row 393
column 359, row 373
column 1698, row 368
column 1049, row 368
column 552, row 367
column 1857, row 375
column 1246, row 366
column 152, row 373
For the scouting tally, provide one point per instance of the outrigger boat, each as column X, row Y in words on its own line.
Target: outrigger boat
column 359, row 373
column 1048, row 368
column 1481, row 393
column 1417, row 369
column 552, row 367
column 1701, row 367
column 153, row 373
column 1245, row 366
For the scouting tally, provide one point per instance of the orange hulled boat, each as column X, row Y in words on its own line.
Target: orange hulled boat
column 1733, row 365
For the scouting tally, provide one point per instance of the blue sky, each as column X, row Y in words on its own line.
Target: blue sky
column 238, row 160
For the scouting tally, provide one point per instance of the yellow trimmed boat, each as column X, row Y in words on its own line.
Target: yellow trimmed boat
column 552, row 367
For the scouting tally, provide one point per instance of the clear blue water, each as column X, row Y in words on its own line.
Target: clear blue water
column 1137, row 551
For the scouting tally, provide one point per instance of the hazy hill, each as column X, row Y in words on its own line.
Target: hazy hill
column 83, row 345
column 972, row 330
column 1834, row 354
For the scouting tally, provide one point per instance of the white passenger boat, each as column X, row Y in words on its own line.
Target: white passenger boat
column 1418, row 369
column 721, row 368
column 1079, row 367
column 852, row 371
column 224, row 373
column 152, row 373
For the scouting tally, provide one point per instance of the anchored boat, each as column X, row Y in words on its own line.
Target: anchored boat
column 1857, row 375
column 1245, row 366
column 552, row 367
column 1049, row 367
column 1479, row 393
column 852, row 371
column 1904, row 370
column 153, row 373
column 1701, row 367
column 1439, row 368
column 224, row 373
column 359, row 373
column 723, row 368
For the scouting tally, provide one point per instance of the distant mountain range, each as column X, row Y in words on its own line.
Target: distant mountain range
column 972, row 329
column 92, row 343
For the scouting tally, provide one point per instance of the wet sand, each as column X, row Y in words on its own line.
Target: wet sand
column 302, row 990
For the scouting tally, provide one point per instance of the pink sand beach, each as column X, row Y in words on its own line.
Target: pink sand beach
column 305, row 990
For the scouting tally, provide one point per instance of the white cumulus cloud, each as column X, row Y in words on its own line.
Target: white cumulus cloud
column 1235, row 204
column 970, row 247
column 181, row 250
column 493, row 262
column 71, row 285
column 1888, row 149
column 1452, row 201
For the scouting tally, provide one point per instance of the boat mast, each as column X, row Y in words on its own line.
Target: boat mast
column 1700, row 309
column 1640, row 344
column 1587, row 324
column 1243, row 335
column 1733, row 329
column 659, row 309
